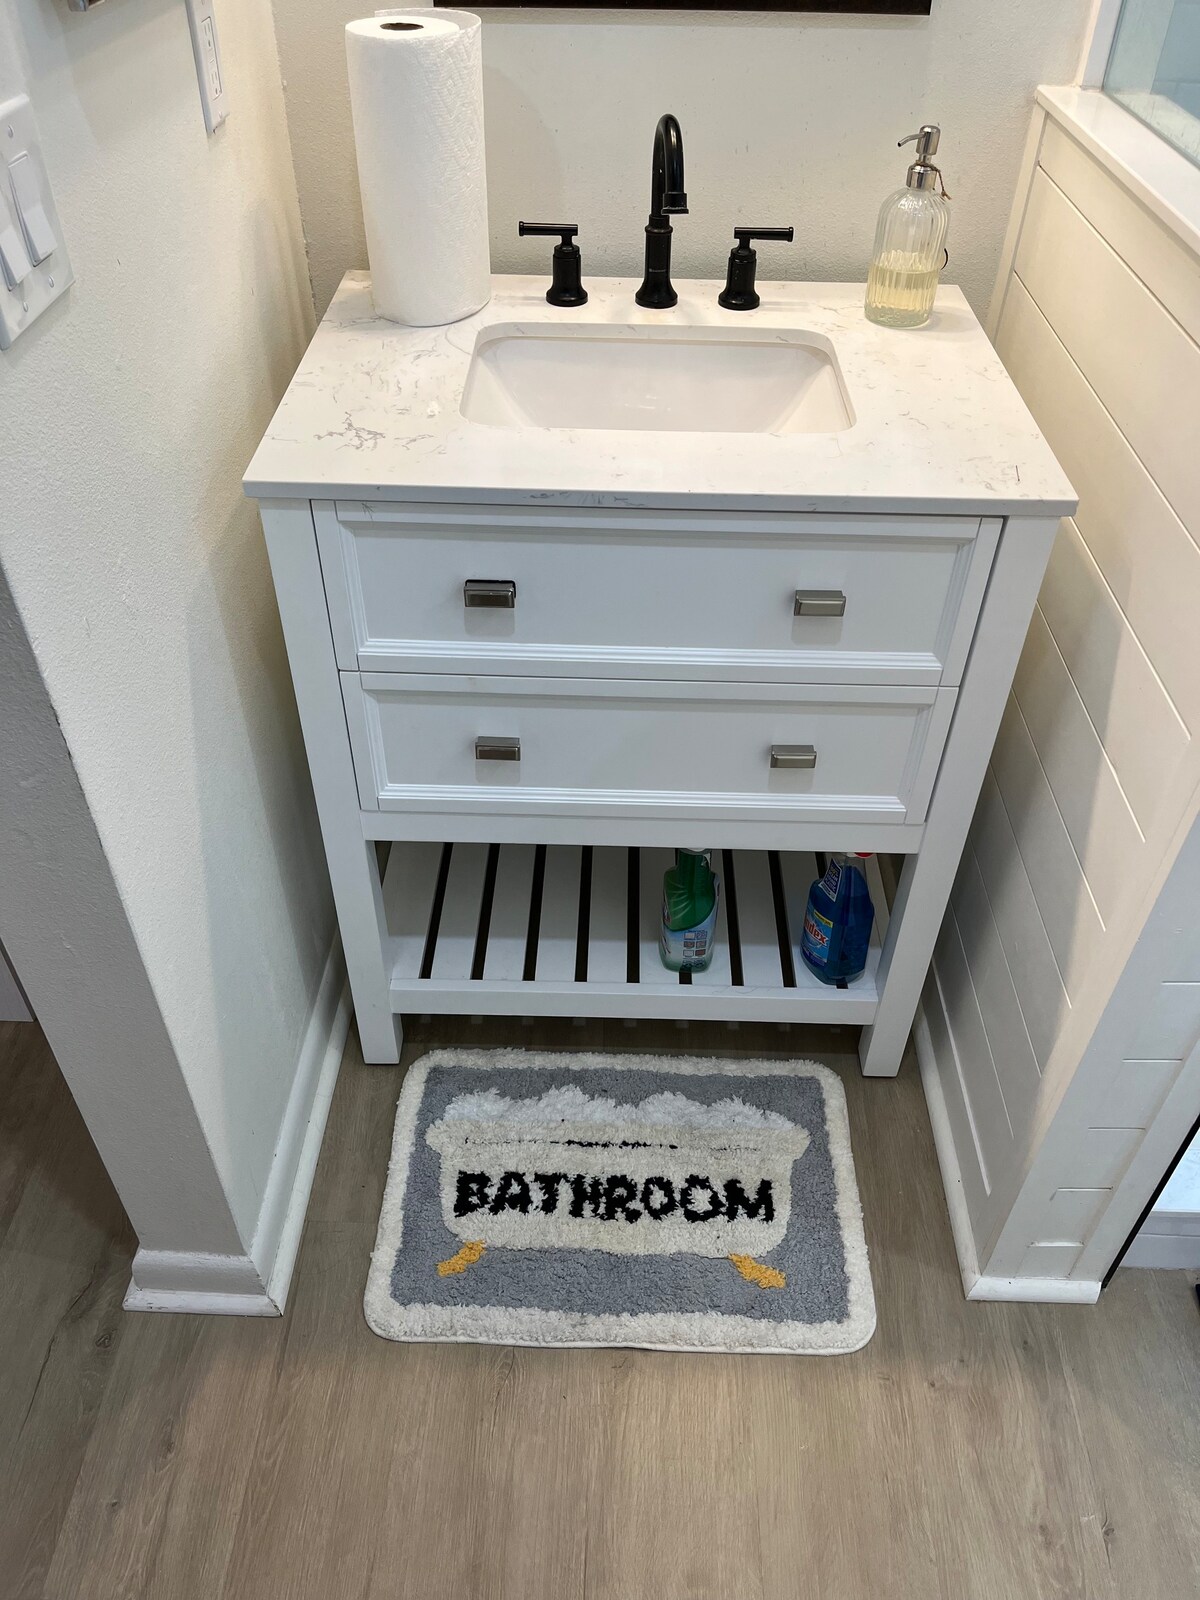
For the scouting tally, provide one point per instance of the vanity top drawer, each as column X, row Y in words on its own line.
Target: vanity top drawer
column 710, row 595
column 699, row 751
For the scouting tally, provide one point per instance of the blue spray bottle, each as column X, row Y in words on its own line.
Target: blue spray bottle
column 837, row 923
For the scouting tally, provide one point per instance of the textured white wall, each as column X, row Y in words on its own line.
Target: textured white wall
column 129, row 413
column 786, row 119
column 61, row 912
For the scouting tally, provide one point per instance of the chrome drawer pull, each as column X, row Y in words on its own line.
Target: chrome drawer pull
column 819, row 603
column 497, row 749
column 794, row 757
column 498, row 592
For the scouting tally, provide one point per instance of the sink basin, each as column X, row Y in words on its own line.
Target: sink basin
column 665, row 380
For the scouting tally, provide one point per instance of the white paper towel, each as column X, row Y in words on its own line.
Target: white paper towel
column 416, row 92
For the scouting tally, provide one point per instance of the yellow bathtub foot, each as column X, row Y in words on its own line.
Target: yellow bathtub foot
column 753, row 1272
column 462, row 1259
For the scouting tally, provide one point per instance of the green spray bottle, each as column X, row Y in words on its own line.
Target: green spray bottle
column 689, row 913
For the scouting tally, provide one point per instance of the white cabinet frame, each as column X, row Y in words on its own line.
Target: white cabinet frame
column 994, row 596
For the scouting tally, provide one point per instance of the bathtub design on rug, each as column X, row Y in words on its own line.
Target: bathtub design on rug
column 666, row 1176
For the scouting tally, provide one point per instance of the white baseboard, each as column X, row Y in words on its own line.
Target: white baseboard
column 175, row 1280
column 977, row 1285
column 256, row 1284
column 285, row 1202
column 1037, row 1291
column 943, row 1143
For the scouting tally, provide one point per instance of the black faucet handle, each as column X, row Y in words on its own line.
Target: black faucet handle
column 780, row 235
column 565, row 230
column 566, row 288
column 739, row 293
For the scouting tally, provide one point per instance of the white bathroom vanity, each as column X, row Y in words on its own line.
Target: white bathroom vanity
column 563, row 590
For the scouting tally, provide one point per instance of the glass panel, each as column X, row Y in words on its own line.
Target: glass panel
column 1154, row 68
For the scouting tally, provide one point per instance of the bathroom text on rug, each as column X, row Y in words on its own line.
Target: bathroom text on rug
column 614, row 1197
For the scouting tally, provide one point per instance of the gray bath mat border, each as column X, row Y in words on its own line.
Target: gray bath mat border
column 677, row 1331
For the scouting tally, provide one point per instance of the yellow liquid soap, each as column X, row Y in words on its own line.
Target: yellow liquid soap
column 901, row 289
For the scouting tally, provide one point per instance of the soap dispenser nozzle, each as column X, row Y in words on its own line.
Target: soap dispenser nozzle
column 922, row 173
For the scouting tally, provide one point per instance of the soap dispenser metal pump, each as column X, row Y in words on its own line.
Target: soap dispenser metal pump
column 910, row 241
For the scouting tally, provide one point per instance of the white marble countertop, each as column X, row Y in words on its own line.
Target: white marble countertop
column 373, row 413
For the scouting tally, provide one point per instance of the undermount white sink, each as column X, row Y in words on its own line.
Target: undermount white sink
column 659, row 379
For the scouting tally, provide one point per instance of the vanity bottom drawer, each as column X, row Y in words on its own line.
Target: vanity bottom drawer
column 633, row 747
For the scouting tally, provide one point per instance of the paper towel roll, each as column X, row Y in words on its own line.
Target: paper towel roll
column 416, row 92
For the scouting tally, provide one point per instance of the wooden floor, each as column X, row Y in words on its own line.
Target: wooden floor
column 970, row 1451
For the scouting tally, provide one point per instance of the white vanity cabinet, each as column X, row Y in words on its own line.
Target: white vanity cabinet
column 534, row 661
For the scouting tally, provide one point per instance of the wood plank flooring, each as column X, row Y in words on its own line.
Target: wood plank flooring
column 970, row 1452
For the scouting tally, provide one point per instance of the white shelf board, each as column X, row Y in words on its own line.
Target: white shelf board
column 453, row 954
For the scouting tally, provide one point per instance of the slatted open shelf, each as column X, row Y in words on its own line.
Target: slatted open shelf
column 523, row 930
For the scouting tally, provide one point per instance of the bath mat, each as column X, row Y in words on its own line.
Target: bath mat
column 665, row 1202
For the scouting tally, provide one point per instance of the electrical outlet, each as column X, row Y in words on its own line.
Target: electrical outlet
column 202, row 20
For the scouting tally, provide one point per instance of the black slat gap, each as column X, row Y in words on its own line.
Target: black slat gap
column 731, row 920
column 485, row 913
column 822, row 861
column 786, row 963
column 529, row 972
column 435, row 912
column 633, row 918
column 684, row 975
column 583, row 929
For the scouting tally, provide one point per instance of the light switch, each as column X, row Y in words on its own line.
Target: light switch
column 31, row 207
column 35, row 267
column 14, row 257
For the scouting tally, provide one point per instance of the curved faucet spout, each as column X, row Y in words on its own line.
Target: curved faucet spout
column 667, row 193
column 668, row 197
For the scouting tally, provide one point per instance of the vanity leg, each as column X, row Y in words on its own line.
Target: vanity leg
column 353, row 864
column 925, row 884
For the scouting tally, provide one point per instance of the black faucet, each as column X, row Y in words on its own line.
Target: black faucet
column 667, row 198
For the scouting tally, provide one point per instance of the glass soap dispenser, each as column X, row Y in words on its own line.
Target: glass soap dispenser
column 910, row 242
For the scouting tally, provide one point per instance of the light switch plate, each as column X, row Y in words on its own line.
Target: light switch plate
column 52, row 276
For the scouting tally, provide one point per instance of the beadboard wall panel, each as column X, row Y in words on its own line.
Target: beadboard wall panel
column 982, row 1104
column 1170, row 1024
column 1152, row 255
column 1143, row 551
column 1132, row 1092
column 1027, row 949
column 1057, row 1057
column 1065, row 903
column 1095, row 812
column 1012, row 1058
column 1133, row 716
column 1120, row 336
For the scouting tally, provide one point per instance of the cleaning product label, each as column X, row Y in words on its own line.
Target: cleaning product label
column 690, row 949
column 818, row 932
column 837, row 924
